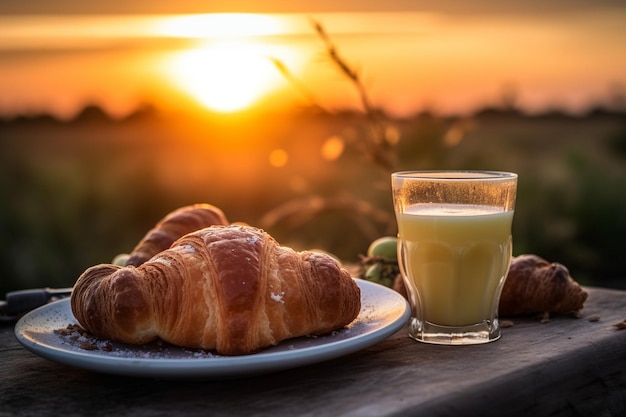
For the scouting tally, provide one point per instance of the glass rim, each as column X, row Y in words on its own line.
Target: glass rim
column 455, row 175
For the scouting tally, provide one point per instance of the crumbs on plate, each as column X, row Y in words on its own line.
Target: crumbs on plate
column 83, row 339
column 78, row 337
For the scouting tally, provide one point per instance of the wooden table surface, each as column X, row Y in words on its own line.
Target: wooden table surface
column 568, row 366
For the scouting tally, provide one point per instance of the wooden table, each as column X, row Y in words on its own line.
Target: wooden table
column 568, row 366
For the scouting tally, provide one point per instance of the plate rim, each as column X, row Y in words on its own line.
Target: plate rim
column 219, row 367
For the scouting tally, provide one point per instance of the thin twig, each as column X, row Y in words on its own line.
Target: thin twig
column 343, row 66
column 280, row 65
column 376, row 145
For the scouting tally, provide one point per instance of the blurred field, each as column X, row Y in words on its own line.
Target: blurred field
column 77, row 193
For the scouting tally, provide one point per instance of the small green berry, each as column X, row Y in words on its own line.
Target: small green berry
column 374, row 272
column 384, row 247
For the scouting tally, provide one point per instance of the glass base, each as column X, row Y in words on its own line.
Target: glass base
column 426, row 332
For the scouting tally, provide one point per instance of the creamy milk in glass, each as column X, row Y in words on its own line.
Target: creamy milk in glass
column 457, row 256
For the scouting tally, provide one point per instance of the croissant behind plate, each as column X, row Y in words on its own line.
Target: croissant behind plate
column 231, row 289
column 174, row 225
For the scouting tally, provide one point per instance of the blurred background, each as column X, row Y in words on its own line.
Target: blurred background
column 291, row 116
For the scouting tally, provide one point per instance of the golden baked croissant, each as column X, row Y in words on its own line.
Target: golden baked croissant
column 232, row 289
column 173, row 226
column 534, row 286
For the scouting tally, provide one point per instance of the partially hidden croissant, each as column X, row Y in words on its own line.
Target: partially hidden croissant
column 178, row 223
column 232, row 289
column 535, row 286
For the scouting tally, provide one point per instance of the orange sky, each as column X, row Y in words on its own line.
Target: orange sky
column 445, row 61
column 482, row 7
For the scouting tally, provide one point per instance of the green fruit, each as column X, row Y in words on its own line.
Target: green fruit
column 384, row 247
column 374, row 272
column 121, row 259
column 381, row 273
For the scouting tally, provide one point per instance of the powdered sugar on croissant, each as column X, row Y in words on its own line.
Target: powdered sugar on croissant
column 231, row 289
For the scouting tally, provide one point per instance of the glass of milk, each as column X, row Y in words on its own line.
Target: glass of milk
column 454, row 251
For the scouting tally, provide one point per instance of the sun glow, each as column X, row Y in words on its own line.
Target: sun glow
column 221, row 25
column 232, row 69
column 225, row 77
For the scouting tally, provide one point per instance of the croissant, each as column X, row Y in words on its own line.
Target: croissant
column 232, row 289
column 173, row 226
column 534, row 285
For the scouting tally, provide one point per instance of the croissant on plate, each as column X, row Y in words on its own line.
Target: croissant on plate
column 178, row 223
column 232, row 289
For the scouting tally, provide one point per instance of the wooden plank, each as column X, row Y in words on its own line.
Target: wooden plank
column 563, row 367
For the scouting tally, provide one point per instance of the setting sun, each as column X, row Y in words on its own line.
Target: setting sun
column 232, row 69
column 225, row 76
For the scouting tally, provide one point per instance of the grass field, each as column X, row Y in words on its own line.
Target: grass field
column 77, row 193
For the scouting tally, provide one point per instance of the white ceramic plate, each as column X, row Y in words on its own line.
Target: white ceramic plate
column 383, row 312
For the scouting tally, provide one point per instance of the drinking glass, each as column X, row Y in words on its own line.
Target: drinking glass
column 454, row 251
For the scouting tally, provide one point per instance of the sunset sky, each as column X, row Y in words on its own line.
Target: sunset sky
column 287, row 6
column 449, row 56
